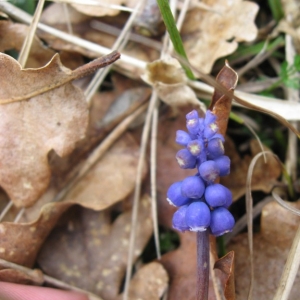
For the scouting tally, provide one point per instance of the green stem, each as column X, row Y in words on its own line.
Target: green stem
column 174, row 34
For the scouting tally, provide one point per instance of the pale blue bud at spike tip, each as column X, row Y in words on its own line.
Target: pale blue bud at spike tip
column 217, row 195
column 192, row 115
column 197, row 216
column 179, row 221
column 223, row 163
column 210, row 130
column 174, row 195
column 209, row 118
column 182, row 137
column 192, row 187
column 185, row 159
column 221, row 221
column 215, row 148
column 192, row 122
column 209, row 171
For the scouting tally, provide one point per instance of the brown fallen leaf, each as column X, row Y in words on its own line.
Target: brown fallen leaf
column 54, row 116
column 89, row 250
column 271, row 247
column 149, row 283
column 12, row 36
column 264, row 175
column 210, row 34
column 33, row 277
column 112, row 179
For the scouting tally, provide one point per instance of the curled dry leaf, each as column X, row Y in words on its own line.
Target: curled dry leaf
column 264, row 175
column 271, row 247
column 89, row 250
column 149, row 283
column 221, row 103
column 226, row 265
column 207, row 34
column 169, row 80
column 44, row 112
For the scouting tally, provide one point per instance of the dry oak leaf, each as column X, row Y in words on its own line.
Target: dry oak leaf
column 89, row 249
column 170, row 82
column 211, row 34
column 149, row 283
column 54, row 116
column 271, row 247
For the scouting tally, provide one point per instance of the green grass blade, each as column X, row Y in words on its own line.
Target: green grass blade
column 174, row 33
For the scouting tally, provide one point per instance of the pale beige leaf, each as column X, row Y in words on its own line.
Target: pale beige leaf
column 30, row 129
column 169, row 80
column 211, row 34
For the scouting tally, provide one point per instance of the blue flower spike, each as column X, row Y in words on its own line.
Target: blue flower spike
column 203, row 204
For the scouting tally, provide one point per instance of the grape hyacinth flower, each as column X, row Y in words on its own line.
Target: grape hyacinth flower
column 202, row 203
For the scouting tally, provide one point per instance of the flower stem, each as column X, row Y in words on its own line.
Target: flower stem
column 202, row 265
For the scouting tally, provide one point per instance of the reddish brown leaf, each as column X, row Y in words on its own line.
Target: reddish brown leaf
column 34, row 277
column 226, row 265
column 271, row 247
column 20, row 243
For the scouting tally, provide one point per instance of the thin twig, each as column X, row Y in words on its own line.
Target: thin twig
column 137, row 191
column 290, row 270
column 24, row 53
column 119, row 44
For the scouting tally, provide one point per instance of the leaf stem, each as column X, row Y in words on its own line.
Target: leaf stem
column 202, row 265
